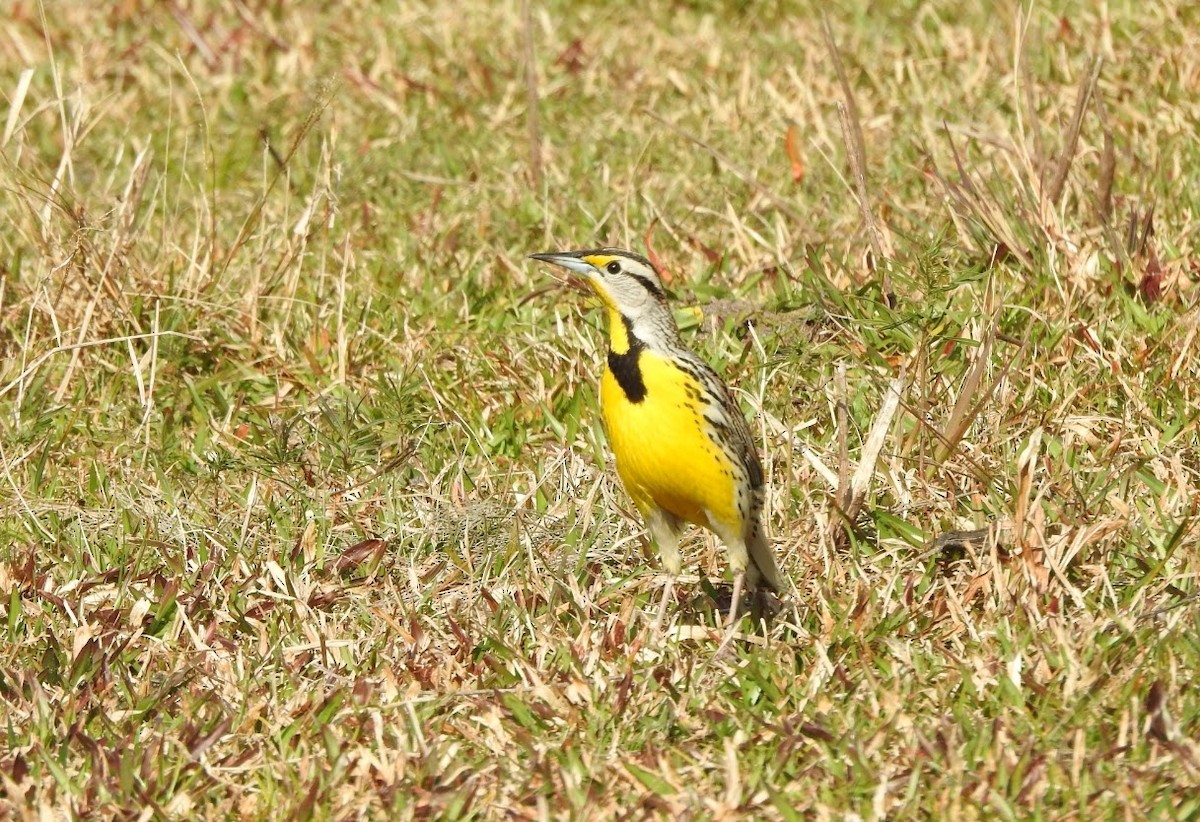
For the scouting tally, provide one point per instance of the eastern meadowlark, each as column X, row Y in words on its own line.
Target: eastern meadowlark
column 683, row 450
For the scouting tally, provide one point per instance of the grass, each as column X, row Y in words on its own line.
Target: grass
column 305, row 508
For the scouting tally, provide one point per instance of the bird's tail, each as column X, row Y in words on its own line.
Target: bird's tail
column 762, row 561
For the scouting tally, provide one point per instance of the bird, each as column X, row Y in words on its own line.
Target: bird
column 682, row 447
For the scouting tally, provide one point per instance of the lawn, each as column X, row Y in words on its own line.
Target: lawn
column 306, row 509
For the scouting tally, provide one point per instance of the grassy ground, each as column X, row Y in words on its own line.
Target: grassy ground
column 305, row 508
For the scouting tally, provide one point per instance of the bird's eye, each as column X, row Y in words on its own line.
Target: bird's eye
column 614, row 267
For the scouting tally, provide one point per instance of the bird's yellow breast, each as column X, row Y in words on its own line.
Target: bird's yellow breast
column 664, row 453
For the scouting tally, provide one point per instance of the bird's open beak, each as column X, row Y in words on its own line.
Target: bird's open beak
column 567, row 261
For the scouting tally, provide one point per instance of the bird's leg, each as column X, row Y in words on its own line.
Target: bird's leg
column 663, row 528
column 739, row 561
column 662, row 607
column 739, row 580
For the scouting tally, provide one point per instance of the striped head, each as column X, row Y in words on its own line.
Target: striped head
column 631, row 290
